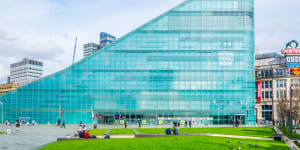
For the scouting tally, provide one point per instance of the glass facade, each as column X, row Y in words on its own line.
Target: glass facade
column 194, row 62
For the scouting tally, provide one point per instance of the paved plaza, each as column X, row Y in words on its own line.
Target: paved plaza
column 33, row 137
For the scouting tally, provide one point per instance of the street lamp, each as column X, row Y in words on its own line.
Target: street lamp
column 2, row 112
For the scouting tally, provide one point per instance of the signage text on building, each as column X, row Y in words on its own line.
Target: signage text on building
column 258, row 90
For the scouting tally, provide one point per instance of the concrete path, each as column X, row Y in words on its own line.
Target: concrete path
column 287, row 141
column 29, row 138
column 229, row 136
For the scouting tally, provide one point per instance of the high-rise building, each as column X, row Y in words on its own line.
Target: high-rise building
column 106, row 39
column 25, row 71
column 90, row 48
column 194, row 62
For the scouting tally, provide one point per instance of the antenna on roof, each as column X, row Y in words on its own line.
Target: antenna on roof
column 74, row 50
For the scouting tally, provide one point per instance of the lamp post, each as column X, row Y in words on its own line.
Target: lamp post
column 272, row 115
column 2, row 112
column 156, row 107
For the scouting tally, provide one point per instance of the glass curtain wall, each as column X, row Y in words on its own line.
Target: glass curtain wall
column 194, row 62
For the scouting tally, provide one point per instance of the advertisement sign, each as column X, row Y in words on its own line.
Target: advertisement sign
column 296, row 71
column 291, row 51
column 144, row 122
column 100, row 116
column 258, row 90
column 194, row 122
column 182, row 122
column 121, row 121
column 160, row 122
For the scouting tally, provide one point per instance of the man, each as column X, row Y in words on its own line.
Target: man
column 190, row 123
column 185, row 123
column 64, row 124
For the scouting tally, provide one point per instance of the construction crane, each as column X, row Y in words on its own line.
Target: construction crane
column 74, row 50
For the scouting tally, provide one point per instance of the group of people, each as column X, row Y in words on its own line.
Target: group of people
column 62, row 125
column 83, row 132
column 186, row 122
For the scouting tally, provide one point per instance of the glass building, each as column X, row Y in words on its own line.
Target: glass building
column 194, row 62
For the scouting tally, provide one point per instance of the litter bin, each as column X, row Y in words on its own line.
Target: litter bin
column 8, row 131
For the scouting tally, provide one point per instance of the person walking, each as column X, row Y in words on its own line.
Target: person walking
column 64, row 124
column 125, row 124
column 190, row 123
column 140, row 124
column 233, row 123
column 185, row 123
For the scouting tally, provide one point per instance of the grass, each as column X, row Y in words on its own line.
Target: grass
column 2, row 133
column 170, row 142
column 121, row 131
column 241, row 131
column 98, row 131
column 286, row 132
column 151, row 130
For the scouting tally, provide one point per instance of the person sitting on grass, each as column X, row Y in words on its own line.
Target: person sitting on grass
column 175, row 131
column 81, row 134
column 88, row 136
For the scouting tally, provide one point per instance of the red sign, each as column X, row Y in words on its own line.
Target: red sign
column 258, row 90
column 291, row 51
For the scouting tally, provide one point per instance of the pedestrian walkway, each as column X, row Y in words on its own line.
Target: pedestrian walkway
column 33, row 137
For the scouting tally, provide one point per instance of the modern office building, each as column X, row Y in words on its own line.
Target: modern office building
column 4, row 88
column 106, row 39
column 90, row 48
column 194, row 62
column 25, row 71
column 276, row 81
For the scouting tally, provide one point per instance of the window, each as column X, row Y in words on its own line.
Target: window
column 262, row 85
column 266, row 84
column 271, row 84
column 262, row 94
column 267, row 94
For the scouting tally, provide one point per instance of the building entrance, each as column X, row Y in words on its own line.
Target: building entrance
column 241, row 119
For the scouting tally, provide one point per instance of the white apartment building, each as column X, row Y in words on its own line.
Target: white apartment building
column 25, row 71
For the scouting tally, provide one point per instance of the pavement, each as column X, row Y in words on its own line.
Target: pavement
column 33, row 137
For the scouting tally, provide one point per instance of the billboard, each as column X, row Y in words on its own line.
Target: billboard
column 292, row 54
column 258, row 90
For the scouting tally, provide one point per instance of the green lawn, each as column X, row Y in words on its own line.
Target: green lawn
column 242, row 131
column 2, row 133
column 286, row 132
column 151, row 130
column 98, row 131
column 121, row 131
column 170, row 142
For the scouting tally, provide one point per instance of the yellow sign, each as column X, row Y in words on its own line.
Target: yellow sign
column 160, row 122
column 144, row 121
column 182, row 122
column 296, row 71
column 121, row 121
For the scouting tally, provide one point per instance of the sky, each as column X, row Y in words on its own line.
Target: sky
column 46, row 29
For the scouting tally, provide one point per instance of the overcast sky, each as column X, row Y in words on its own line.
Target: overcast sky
column 46, row 29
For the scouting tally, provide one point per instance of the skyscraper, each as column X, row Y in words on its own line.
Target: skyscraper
column 25, row 71
column 194, row 62
column 106, row 39
column 90, row 48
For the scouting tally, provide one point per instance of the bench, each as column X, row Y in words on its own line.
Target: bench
column 277, row 137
